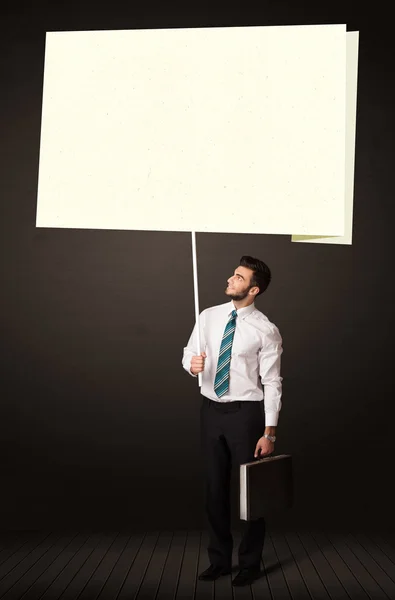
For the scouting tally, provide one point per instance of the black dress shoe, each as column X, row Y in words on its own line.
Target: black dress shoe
column 213, row 572
column 246, row 576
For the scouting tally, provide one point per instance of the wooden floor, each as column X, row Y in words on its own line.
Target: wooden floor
column 159, row 565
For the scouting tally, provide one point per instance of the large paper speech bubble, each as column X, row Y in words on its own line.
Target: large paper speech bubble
column 236, row 129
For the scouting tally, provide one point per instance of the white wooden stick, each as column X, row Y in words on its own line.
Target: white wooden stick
column 196, row 295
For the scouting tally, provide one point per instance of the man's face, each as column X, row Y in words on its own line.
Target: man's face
column 239, row 284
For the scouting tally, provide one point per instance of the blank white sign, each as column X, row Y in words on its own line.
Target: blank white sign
column 236, row 129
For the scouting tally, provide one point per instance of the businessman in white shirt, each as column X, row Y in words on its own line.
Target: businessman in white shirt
column 239, row 424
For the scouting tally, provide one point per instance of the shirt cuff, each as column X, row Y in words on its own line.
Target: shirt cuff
column 271, row 419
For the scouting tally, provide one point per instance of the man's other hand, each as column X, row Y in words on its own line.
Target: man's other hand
column 265, row 447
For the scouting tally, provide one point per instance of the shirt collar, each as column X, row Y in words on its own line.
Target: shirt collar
column 241, row 312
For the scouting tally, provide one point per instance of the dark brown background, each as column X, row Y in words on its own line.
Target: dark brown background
column 99, row 423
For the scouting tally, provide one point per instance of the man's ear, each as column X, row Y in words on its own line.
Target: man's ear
column 254, row 290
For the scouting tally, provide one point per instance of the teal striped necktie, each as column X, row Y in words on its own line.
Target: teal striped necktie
column 221, row 383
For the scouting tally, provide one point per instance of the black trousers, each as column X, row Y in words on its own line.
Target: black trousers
column 229, row 433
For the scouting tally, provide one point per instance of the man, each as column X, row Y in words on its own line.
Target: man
column 240, row 359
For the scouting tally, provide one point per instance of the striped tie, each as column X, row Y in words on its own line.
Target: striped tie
column 221, row 383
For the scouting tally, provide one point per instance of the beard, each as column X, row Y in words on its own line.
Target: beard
column 240, row 295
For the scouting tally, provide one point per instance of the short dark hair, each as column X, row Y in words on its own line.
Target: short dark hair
column 261, row 276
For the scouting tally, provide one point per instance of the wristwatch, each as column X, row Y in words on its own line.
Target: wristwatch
column 272, row 438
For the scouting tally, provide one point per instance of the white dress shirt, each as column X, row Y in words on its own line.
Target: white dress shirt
column 255, row 362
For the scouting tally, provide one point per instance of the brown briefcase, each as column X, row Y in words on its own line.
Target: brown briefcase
column 266, row 487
